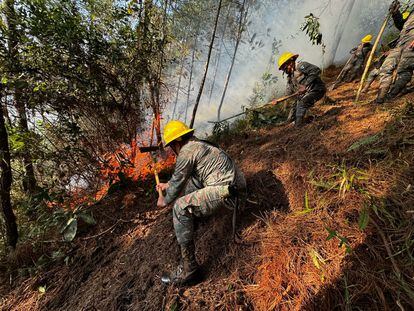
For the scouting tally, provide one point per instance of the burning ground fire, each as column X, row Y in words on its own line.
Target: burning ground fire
column 126, row 162
column 132, row 164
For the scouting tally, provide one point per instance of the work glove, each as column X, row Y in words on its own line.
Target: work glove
column 302, row 89
column 394, row 7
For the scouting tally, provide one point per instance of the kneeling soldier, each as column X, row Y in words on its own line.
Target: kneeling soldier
column 205, row 179
column 355, row 65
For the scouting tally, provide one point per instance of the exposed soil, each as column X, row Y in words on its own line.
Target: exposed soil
column 285, row 261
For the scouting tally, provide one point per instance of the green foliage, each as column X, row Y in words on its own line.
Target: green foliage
column 69, row 231
column 363, row 219
column 364, row 142
column 312, row 28
column 306, row 209
column 343, row 241
column 343, row 179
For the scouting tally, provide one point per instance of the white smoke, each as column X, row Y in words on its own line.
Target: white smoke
column 281, row 20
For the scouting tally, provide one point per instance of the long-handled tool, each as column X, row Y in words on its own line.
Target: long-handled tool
column 272, row 103
column 152, row 150
column 371, row 56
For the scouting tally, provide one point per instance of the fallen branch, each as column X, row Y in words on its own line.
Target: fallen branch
column 102, row 233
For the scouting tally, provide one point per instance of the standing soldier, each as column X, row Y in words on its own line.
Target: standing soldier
column 304, row 79
column 397, row 69
column 205, row 179
column 355, row 65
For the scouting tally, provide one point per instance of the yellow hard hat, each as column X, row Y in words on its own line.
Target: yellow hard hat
column 175, row 129
column 367, row 39
column 285, row 57
column 406, row 14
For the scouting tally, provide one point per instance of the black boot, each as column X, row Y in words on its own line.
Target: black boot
column 299, row 122
column 187, row 272
column 381, row 97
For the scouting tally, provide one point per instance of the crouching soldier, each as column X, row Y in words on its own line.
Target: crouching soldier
column 303, row 79
column 399, row 64
column 404, row 71
column 378, row 69
column 355, row 65
column 205, row 179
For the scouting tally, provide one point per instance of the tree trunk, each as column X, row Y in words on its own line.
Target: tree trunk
column 341, row 29
column 239, row 34
column 203, row 81
column 179, row 85
column 218, row 57
column 5, row 185
column 29, row 180
column 191, row 77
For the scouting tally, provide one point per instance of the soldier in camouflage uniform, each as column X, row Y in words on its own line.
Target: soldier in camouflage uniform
column 399, row 64
column 375, row 73
column 355, row 65
column 304, row 79
column 205, row 180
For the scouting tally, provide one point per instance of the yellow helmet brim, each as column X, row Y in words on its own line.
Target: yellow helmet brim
column 175, row 137
column 285, row 58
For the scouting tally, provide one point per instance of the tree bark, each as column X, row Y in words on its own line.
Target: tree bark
column 341, row 29
column 239, row 34
column 29, row 180
column 218, row 57
column 179, row 85
column 203, row 81
column 191, row 77
column 5, row 185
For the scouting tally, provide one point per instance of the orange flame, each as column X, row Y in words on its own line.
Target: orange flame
column 126, row 162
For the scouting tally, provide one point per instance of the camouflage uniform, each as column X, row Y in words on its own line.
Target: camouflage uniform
column 401, row 59
column 355, row 64
column 307, row 75
column 374, row 73
column 386, row 72
column 202, row 175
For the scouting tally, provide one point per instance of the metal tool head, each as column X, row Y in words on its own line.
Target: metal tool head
column 147, row 149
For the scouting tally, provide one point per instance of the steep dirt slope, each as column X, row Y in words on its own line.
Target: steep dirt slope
column 300, row 183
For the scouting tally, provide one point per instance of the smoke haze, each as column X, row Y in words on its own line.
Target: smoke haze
column 279, row 21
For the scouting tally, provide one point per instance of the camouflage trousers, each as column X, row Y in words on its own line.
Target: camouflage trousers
column 304, row 103
column 404, row 72
column 351, row 71
column 199, row 201
column 386, row 72
column 374, row 73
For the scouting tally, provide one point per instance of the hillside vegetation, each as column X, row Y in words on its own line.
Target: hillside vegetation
column 328, row 225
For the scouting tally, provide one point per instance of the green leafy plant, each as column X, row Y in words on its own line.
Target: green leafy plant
column 343, row 241
column 307, row 209
column 363, row 219
column 342, row 180
column 312, row 28
column 70, row 229
column 364, row 142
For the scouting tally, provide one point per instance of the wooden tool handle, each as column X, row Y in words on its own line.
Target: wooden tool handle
column 157, row 181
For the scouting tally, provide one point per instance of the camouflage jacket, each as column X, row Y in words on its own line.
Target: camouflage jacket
column 406, row 28
column 206, row 163
column 307, row 75
column 361, row 51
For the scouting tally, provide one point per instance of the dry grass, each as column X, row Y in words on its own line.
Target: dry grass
column 305, row 186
